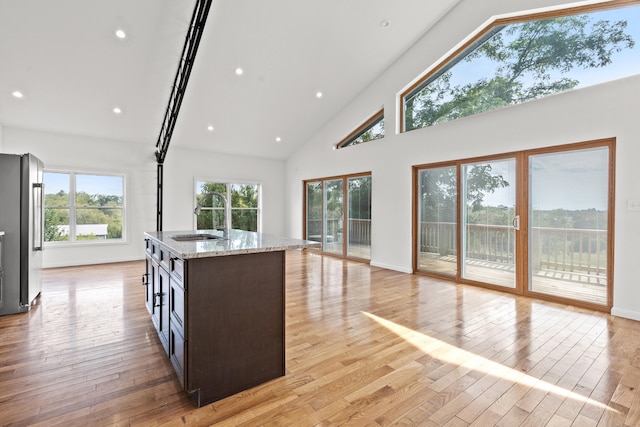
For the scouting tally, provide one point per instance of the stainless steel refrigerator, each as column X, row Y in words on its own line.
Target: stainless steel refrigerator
column 22, row 221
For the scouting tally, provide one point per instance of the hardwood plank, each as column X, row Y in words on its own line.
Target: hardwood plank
column 444, row 354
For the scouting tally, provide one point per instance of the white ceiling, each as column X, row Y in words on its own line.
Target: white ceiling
column 63, row 55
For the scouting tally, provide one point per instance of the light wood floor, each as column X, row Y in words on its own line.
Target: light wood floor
column 364, row 346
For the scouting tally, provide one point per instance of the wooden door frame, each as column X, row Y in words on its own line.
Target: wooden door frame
column 522, row 209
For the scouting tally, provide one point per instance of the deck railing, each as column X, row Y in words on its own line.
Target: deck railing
column 359, row 230
column 558, row 249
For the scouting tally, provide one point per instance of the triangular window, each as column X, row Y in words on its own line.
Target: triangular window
column 513, row 62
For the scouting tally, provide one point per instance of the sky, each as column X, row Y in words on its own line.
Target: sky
column 91, row 184
column 624, row 64
column 568, row 180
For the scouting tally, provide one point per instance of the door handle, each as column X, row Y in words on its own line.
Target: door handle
column 516, row 222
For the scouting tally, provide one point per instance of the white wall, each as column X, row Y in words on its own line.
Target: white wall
column 138, row 163
column 70, row 152
column 608, row 110
column 182, row 166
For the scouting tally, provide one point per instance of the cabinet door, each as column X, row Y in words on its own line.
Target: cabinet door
column 162, row 307
column 177, row 350
column 148, row 283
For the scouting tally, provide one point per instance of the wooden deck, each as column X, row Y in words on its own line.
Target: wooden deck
column 582, row 287
column 364, row 346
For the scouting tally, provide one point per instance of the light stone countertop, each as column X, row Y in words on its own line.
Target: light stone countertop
column 233, row 242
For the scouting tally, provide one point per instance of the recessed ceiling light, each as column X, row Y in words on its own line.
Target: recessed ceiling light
column 318, row 94
column 17, row 94
column 384, row 23
column 278, row 139
column 210, row 128
column 120, row 33
column 239, row 71
column 117, row 110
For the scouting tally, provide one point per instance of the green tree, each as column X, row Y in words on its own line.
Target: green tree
column 211, row 218
column 360, row 198
column 52, row 219
column 439, row 190
column 527, row 57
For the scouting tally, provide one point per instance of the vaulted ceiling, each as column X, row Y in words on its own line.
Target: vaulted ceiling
column 72, row 70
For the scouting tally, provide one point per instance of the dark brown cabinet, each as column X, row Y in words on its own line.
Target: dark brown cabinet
column 220, row 318
column 156, row 280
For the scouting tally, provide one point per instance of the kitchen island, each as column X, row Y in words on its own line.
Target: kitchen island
column 216, row 299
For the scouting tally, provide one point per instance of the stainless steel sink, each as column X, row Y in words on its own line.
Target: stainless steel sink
column 197, row 236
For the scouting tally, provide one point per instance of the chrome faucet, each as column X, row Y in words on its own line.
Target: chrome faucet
column 198, row 208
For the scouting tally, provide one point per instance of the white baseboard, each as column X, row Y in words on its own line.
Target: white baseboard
column 92, row 262
column 628, row 314
column 391, row 267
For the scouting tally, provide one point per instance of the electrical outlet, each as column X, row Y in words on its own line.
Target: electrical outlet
column 633, row 205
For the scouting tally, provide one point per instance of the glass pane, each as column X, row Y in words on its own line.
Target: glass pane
column 314, row 211
column 529, row 60
column 56, row 187
column 56, row 225
column 56, row 219
column 359, row 221
column 204, row 190
column 245, row 219
column 98, row 224
column 212, row 213
column 333, row 203
column 569, row 194
column 99, row 190
column 437, row 228
column 488, row 214
column 244, row 195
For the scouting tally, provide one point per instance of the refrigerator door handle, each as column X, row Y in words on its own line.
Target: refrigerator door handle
column 38, row 216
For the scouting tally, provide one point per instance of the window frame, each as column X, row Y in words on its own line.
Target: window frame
column 348, row 141
column 442, row 64
column 228, row 210
column 73, row 207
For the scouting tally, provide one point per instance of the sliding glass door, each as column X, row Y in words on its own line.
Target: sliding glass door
column 359, row 217
column 489, row 222
column 333, row 216
column 568, row 227
column 536, row 222
column 437, row 229
column 338, row 214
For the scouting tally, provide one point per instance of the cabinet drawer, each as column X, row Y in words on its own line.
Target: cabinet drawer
column 176, row 306
column 154, row 250
column 177, row 350
column 176, row 267
column 164, row 258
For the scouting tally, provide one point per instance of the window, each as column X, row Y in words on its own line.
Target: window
column 244, row 209
column 327, row 201
column 82, row 207
column 510, row 63
column 372, row 129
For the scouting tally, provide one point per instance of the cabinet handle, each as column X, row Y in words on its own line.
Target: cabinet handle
column 159, row 296
column 145, row 277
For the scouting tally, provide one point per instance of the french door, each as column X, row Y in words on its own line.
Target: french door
column 536, row 222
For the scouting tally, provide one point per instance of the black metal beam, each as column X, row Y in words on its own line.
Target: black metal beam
column 192, row 41
column 159, row 193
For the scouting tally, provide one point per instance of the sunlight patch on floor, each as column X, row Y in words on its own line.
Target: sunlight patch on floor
column 466, row 360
